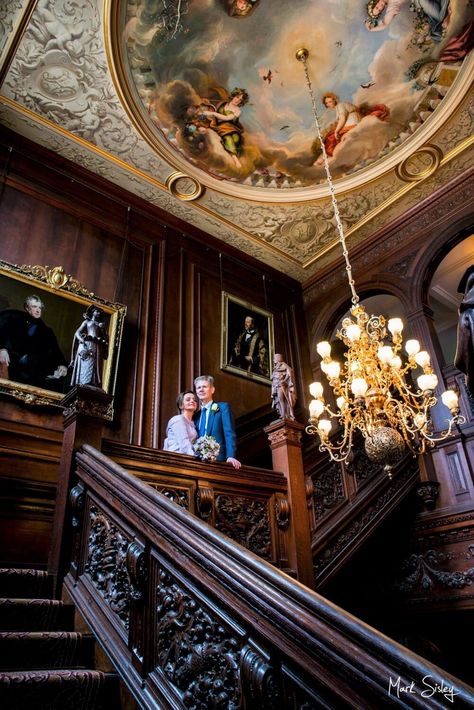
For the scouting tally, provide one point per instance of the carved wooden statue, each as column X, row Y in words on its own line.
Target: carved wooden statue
column 283, row 388
column 464, row 358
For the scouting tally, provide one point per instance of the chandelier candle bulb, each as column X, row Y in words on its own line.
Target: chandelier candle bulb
column 385, row 354
column 395, row 326
column 396, row 362
column 324, row 349
column 412, row 347
column 422, row 358
column 324, row 427
column 341, row 403
column 420, row 420
column 359, row 386
column 333, row 370
column 316, row 390
column 353, row 332
column 450, row 400
column 427, row 382
column 316, row 408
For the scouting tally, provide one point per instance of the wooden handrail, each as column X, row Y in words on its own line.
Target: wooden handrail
column 219, row 494
column 191, row 619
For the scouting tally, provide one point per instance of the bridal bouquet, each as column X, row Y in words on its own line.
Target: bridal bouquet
column 206, row 448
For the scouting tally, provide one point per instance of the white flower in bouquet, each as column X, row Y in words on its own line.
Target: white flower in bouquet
column 206, row 448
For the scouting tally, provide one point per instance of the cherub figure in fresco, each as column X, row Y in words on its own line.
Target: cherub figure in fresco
column 435, row 13
column 348, row 116
column 224, row 120
column 241, row 8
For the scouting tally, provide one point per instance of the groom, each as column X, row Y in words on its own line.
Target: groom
column 216, row 419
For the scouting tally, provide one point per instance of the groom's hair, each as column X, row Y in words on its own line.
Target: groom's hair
column 208, row 378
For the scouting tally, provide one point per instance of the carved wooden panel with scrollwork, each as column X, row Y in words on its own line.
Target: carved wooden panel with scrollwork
column 106, row 562
column 196, row 650
column 246, row 521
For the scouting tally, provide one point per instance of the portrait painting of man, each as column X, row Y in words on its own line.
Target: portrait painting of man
column 247, row 339
column 38, row 330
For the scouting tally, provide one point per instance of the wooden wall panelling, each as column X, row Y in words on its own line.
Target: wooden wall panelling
column 122, row 248
column 29, row 460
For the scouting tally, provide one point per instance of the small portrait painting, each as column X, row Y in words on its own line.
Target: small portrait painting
column 247, row 339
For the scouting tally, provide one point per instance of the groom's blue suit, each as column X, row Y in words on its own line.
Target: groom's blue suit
column 221, row 426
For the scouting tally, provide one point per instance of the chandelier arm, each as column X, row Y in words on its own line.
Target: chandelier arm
column 455, row 421
column 302, row 56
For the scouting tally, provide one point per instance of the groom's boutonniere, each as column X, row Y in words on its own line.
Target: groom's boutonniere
column 214, row 407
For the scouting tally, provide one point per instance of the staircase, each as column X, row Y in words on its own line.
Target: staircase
column 44, row 663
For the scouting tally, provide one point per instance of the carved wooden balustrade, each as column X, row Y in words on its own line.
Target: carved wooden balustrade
column 190, row 619
column 249, row 505
column 349, row 503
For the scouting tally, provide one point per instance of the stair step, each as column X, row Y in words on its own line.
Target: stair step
column 23, row 650
column 36, row 615
column 25, row 583
column 59, row 690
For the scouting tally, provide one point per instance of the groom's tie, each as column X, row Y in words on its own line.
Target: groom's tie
column 202, row 422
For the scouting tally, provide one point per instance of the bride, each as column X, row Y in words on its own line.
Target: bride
column 180, row 430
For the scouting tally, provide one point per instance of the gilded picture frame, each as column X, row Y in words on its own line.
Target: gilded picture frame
column 246, row 352
column 65, row 302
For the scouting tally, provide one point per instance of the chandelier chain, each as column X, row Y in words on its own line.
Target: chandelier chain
column 355, row 297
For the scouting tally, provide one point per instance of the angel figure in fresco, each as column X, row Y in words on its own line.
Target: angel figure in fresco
column 434, row 14
column 241, row 8
column 224, row 120
column 348, row 116
column 89, row 349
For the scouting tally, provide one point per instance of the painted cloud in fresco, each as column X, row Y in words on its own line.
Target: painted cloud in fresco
column 187, row 63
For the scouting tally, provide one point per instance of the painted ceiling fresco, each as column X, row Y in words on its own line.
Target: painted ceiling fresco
column 142, row 92
column 219, row 87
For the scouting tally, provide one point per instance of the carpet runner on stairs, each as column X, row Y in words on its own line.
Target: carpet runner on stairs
column 44, row 663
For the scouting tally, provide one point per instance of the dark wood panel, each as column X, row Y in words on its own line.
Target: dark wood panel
column 170, row 278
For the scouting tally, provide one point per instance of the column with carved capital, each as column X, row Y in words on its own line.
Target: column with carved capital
column 86, row 409
column 285, row 442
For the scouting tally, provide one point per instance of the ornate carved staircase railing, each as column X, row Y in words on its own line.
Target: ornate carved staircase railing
column 192, row 619
column 349, row 503
column 249, row 505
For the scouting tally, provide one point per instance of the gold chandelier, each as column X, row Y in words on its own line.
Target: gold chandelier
column 371, row 390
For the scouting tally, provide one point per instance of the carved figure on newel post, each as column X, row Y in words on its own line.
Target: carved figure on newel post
column 464, row 358
column 283, row 388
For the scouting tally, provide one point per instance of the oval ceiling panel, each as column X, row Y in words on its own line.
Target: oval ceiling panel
column 215, row 86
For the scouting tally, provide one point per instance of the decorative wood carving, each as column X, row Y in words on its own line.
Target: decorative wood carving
column 195, row 650
column 137, row 569
column 179, row 496
column 424, row 572
column 260, row 681
column 106, row 563
column 204, row 501
column 98, row 410
column 362, row 467
column 76, row 499
column 246, row 521
column 328, row 490
column 283, row 435
column 427, row 492
column 282, row 512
